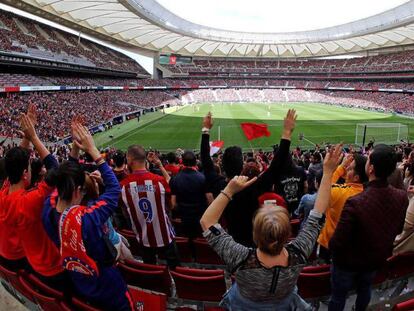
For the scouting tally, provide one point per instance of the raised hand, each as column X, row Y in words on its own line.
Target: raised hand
column 347, row 160
column 153, row 158
column 208, row 121
column 332, row 159
column 289, row 123
column 27, row 127
column 84, row 141
column 77, row 119
column 237, row 184
column 32, row 113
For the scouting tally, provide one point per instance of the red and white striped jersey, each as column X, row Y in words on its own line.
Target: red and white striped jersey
column 144, row 194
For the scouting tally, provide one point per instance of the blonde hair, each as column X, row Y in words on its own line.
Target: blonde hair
column 271, row 229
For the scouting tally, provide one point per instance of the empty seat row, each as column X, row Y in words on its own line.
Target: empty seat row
column 45, row 297
column 193, row 284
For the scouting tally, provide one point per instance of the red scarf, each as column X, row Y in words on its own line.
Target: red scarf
column 72, row 248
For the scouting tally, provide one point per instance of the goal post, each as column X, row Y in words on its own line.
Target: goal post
column 385, row 133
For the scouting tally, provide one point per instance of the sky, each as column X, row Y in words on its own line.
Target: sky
column 276, row 15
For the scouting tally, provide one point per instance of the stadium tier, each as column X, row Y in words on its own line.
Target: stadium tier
column 401, row 62
column 21, row 36
column 12, row 79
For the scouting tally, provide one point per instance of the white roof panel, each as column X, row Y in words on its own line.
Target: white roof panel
column 147, row 24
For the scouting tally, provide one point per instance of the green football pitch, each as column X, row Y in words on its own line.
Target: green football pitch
column 180, row 127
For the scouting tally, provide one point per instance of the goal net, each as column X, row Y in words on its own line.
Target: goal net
column 385, row 133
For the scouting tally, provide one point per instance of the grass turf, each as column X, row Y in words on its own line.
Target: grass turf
column 180, row 127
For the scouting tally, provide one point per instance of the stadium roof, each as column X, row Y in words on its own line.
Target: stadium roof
column 145, row 24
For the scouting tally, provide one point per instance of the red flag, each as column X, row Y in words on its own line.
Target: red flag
column 215, row 146
column 254, row 130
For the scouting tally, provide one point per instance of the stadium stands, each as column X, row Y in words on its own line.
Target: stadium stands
column 9, row 79
column 98, row 107
column 401, row 61
column 21, row 35
column 115, row 103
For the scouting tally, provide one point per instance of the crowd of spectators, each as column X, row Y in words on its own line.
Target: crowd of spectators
column 98, row 107
column 400, row 61
column 19, row 34
column 103, row 106
column 8, row 79
column 382, row 101
column 62, row 231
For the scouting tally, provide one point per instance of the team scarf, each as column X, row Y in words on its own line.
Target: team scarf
column 72, row 249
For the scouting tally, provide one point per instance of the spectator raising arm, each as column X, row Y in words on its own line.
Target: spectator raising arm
column 270, row 175
column 153, row 158
column 32, row 114
column 30, row 133
column 84, row 141
column 208, row 165
column 74, row 152
column 108, row 201
column 307, row 237
column 330, row 163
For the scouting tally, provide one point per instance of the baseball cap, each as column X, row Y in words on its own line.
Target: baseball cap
column 272, row 198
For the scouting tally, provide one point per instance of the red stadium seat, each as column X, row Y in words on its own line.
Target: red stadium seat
column 401, row 265
column 147, row 300
column 184, row 249
column 43, row 288
column 314, row 284
column 205, row 254
column 204, row 288
column 316, row 269
column 156, row 280
column 12, row 278
column 46, row 303
column 144, row 266
column 295, row 226
column 404, row 306
column 64, row 306
column 198, row 272
column 79, row 305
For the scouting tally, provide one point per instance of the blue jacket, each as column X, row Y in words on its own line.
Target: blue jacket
column 306, row 204
column 107, row 290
